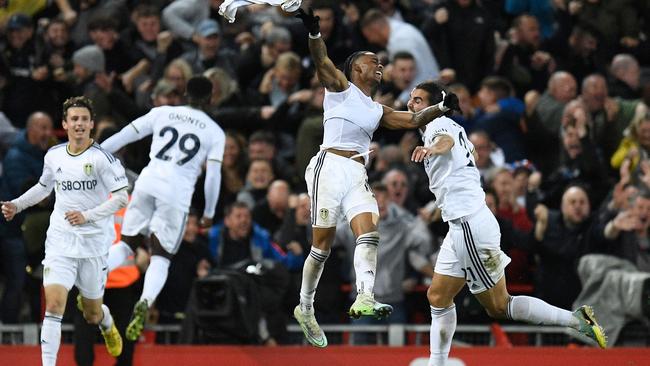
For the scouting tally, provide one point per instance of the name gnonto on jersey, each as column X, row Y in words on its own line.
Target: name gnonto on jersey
column 186, row 119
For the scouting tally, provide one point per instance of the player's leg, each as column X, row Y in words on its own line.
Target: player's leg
column 364, row 227
column 136, row 222
column 91, row 279
column 58, row 278
column 448, row 280
column 167, row 226
column 323, row 192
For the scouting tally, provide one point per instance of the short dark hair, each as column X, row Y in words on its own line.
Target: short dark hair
column 146, row 10
column 102, row 22
column 500, row 86
column 379, row 187
column 403, row 55
column 372, row 16
column 262, row 136
column 347, row 65
column 434, row 90
column 231, row 207
column 199, row 90
column 78, row 102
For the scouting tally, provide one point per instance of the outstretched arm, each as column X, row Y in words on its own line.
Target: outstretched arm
column 134, row 131
column 394, row 120
column 331, row 77
column 33, row 196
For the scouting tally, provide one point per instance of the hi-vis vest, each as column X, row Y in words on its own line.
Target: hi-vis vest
column 126, row 274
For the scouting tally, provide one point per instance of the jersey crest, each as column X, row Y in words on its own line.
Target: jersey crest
column 88, row 169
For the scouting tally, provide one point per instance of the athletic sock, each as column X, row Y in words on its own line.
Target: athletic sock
column 50, row 338
column 117, row 254
column 365, row 261
column 535, row 311
column 311, row 272
column 155, row 278
column 443, row 326
column 107, row 321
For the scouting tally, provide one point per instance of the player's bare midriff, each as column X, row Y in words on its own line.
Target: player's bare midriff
column 347, row 154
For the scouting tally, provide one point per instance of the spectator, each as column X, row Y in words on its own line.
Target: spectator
column 310, row 132
column 542, row 10
column 497, row 119
column 240, row 242
column 271, row 211
column 466, row 116
column 23, row 166
column 635, row 145
column 178, row 72
column 461, row 35
column 560, row 239
column 24, row 79
column 182, row 17
column 610, row 116
column 576, row 53
column 396, row 183
column 524, row 62
column 405, row 244
column 118, row 58
column 402, row 72
column 233, row 169
column 334, row 32
column 262, row 145
column 625, row 77
column 257, row 59
column 396, row 36
column 281, row 80
column 89, row 62
column 209, row 52
column 490, row 156
column 259, row 177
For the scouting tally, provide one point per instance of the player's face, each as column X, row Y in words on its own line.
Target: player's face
column 78, row 123
column 370, row 68
column 418, row 101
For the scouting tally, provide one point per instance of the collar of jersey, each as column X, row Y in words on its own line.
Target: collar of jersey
column 81, row 152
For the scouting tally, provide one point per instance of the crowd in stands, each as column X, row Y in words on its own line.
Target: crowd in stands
column 554, row 97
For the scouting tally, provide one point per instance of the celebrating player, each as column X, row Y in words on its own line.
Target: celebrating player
column 81, row 226
column 336, row 176
column 184, row 138
column 470, row 252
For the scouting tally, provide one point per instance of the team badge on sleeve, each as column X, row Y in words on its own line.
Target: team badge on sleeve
column 88, row 169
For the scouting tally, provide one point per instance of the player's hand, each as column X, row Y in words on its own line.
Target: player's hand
column 310, row 21
column 451, row 102
column 75, row 218
column 420, row 153
column 9, row 210
column 205, row 222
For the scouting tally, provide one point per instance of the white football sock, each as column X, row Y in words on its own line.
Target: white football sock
column 155, row 278
column 443, row 326
column 535, row 311
column 107, row 320
column 311, row 272
column 365, row 261
column 50, row 338
column 117, row 254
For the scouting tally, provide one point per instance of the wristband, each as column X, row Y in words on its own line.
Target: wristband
column 441, row 107
column 314, row 37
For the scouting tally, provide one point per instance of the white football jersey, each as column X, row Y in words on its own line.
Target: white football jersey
column 453, row 177
column 350, row 118
column 183, row 139
column 81, row 182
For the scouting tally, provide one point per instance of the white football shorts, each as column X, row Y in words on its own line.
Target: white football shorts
column 148, row 215
column 472, row 250
column 337, row 185
column 88, row 274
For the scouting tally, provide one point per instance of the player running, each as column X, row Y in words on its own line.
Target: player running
column 471, row 252
column 82, row 175
column 336, row 177
column 184, row 139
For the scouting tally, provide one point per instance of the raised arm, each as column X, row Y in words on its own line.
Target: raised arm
column 331, row 77
column 132, row 132
column 395, row 120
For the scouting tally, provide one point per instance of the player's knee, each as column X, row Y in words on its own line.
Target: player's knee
column 437, row 299
column 497, row 310
column 55, row 306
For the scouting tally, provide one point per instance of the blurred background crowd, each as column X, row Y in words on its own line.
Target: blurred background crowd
column 554, row 97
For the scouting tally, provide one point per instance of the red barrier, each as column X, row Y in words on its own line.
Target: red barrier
column 343, row 355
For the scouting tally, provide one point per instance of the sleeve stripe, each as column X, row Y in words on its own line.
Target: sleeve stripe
column 109, row 156
column 119, row 189
column 217, row 160
column 39, row 182
column 136, row 130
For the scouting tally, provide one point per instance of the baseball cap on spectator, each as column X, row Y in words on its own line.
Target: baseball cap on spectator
column 163, row 87
column 90, row 57
column 208, row 28
column 19, row 21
